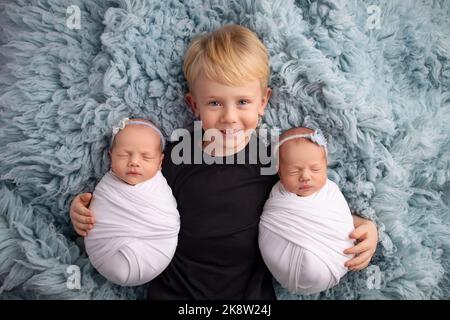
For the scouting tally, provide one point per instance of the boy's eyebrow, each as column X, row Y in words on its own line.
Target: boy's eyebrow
column 236, row 97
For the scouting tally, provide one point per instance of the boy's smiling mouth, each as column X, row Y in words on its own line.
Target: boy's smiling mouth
column 231, row 132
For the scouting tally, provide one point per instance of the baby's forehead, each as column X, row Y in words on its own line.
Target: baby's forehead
column 296, row 142
column 139, row 130
column 143, row 136
column 300, row 145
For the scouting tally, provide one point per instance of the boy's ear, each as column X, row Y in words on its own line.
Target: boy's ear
column 189, row 99
column 160, row 161
column 264, row 101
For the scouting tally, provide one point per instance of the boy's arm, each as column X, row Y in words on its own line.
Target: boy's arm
column 366, row 236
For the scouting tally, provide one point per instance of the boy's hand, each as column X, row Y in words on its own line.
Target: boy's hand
column 366, row 235
column 82, row 217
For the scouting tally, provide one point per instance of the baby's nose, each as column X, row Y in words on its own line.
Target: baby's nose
column 134, row 162
column 305, row 177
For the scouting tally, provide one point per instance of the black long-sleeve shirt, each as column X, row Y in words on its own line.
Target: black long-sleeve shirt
column 217, row 256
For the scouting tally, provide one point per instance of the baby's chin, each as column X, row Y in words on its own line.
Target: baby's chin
column 306, row 193
column 132, row 179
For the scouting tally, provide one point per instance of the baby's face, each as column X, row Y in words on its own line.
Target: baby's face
column 302, row 167
column 136, row 155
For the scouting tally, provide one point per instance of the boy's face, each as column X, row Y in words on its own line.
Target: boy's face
column 303, row 167
column 230, row 113
column 136, row 155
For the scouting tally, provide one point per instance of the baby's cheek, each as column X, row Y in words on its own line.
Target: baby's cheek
column 322, row 179
column 290, row 183
column 117, row 165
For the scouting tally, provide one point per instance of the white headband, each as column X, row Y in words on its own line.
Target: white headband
column 126, row 121
column 317, row 137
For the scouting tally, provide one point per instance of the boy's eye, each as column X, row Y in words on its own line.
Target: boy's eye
column 243, row 102
column 214, row 103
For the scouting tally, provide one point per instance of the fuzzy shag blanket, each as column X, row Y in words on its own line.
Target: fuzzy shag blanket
column 375, row 79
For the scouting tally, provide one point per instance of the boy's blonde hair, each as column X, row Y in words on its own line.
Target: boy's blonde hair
column 230, row 55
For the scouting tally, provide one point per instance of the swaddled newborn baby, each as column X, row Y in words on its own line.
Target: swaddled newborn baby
column 136, row 232
column 306, row 222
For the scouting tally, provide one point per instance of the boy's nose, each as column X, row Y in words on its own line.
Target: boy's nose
column 229, row 114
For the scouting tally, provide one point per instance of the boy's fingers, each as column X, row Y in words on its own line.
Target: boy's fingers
column 358, row 232
column 359, row 248
column 362, row 258
column 80, row 232
column 79, row 208
column 359, row 267
column 86, row 197
column 83, row 226
column 83, row 219
column 350, row 250
column 84, row 215
column 82, row 210
column 79, row 227
column 88, row 213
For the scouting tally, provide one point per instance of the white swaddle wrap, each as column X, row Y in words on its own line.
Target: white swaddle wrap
column 136, row 230
column 302, row 239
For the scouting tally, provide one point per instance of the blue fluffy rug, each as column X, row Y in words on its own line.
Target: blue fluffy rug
column 375, row 79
